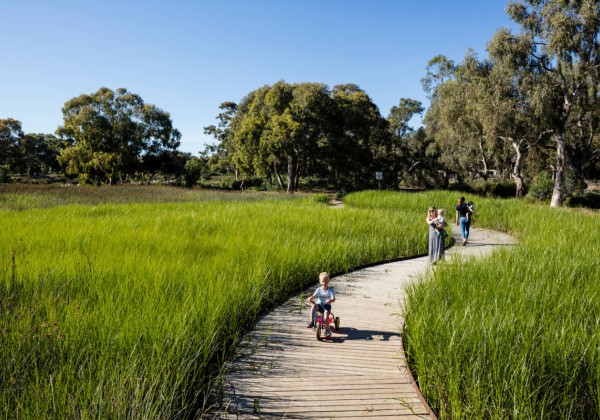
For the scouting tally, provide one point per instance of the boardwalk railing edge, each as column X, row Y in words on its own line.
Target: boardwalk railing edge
column 415, row 386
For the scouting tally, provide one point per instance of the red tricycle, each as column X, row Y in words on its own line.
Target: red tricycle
column 334, row 322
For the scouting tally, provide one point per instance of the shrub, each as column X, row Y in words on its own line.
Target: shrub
column 589, row 200
column 462, row 187
column 193, row 172
column 498, row 189
column 4, row 175
column 246, row 183
column 541, row 187
column 501, row 189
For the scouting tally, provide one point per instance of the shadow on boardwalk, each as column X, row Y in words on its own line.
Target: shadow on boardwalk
column 283, row 371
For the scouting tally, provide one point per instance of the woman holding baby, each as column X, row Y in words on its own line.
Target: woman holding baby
column 437, row 234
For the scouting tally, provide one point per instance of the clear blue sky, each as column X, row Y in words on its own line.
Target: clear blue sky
column 187, row 57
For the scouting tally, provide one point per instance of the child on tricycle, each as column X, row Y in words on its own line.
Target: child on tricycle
column 320, row 311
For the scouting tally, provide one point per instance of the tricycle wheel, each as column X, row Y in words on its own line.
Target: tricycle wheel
column 337, row 323
column 319, row 332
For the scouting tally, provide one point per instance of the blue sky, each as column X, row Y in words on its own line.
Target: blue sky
column 187, row 57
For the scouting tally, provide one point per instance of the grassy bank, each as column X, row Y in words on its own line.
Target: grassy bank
column 516, row 335
column 127, row 310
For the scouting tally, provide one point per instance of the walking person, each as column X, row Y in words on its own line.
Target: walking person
column 436, row 241
column 463, row 214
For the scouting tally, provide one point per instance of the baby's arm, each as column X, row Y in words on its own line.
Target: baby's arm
column 310, row 299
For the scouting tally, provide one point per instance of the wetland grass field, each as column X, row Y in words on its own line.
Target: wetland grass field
column 127, row 309
column 125, row 302
column 516, row 335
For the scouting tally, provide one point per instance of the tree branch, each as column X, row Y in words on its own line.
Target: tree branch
column 543, row 63
column 543, row 133
column 510, row 139
column 413, row 166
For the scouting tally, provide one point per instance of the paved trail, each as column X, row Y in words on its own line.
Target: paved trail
column 283, row 371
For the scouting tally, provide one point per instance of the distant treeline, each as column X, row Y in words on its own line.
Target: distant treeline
column 529, row 113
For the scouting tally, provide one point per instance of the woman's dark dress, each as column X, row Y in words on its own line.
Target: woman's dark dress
column 436, row 245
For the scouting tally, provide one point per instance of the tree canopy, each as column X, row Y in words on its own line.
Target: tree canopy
column 112, row 135
column 288, row 131
column 533, row 105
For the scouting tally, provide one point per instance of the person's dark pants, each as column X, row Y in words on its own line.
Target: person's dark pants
column 323, row 308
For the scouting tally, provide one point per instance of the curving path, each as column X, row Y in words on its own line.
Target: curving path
column 282, row 371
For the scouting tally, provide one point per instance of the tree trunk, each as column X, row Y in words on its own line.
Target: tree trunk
column 151, row 177
column 484, row 174
column 292, row 173
column 278, row 176
column 519, row 185
column 517, row 169
column 297, row 176
column 558, row 194
column 562, row 154
column 395, row 166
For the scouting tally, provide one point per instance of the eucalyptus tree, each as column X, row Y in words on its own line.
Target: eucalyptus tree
column 516, row 106
column 296, row 132
column 37, row 153
column 27, row 153
column 420, row 162
column 288, row 131
column 246, row 126
column 114, row 134
column 440, row 69
column 400, row 130
column 219, row 155
column 454, row 121
column 158, row 143
column 11, row 134
column 563, row 39
column 357, row 143
column 584, row 136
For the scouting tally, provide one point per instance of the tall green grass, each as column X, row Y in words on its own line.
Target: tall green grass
column 25, row 197
column 128, row 310
column 515, row 335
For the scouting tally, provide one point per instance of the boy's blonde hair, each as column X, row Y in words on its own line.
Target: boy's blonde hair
column 441, row 212
column 324, row 276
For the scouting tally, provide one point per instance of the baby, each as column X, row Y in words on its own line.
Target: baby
column 471, row 208
column 440, row 224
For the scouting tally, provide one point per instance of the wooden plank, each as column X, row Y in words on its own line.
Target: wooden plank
column 314, row 389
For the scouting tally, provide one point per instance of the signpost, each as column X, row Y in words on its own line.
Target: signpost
column 379, row 177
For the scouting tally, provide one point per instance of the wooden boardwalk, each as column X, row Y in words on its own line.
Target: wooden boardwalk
column 282, row 371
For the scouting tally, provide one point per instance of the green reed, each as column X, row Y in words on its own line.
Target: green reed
column 515, row 335
column 129, row 310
